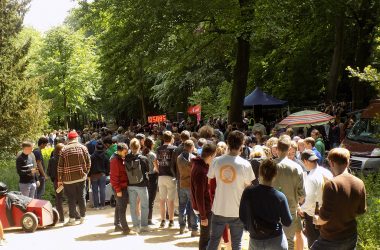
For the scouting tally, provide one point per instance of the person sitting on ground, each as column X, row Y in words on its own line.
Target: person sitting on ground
column 263, row 211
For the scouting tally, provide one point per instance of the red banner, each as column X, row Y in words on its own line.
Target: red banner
column 194, row 110
column 157, row 119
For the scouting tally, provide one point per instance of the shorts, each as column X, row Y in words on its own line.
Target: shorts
column 167, row 187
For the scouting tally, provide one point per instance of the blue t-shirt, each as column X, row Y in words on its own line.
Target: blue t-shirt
column 268, row 207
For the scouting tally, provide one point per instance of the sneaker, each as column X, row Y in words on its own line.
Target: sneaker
column 81, row 220
column 118, row 228
column 171, row 224
column 71, row 222
column 162, row 225
column 182, row 230
column 195, row 233
column 129, row 232
column 150, row 223
column 146, row 229
column 102, row 208
column 136, row 229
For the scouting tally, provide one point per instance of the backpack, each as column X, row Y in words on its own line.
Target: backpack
column 134, row 171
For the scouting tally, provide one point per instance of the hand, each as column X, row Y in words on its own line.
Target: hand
column 316, row 220
column 34, row 170
column 60, row 183
column 204, row 222
column 38, row 183
column 300, row 212
column 119, row 194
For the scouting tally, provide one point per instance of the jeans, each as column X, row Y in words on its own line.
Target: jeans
column 186, row 208
column 99, row 186
column 204, row 238
column 152, row 191
column 218, row 224
column 28, row 189
column 41, row 188
column 59, row 203
column 142, row 193
column 311, row 232
column 276, row 243
column 346, row 244
column 76, row 194
column 121, row 209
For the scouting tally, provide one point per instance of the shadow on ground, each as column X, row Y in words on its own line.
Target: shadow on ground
column 108, row 235
column 187, row 244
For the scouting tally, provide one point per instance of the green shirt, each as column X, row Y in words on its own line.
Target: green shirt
column 111, row 150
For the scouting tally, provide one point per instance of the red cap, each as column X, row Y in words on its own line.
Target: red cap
column 72, row 135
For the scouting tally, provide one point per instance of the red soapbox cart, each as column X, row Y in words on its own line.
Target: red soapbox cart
column 37, row 213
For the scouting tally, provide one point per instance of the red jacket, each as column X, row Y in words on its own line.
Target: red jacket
column 118, row 174
column 200, row 196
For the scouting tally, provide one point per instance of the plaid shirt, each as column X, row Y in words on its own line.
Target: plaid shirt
column 74, row 163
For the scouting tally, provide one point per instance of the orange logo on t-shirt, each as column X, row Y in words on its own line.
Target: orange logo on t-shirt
column 227, row 174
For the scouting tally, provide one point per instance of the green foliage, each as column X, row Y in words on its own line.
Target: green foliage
column 213, row 104
column 67, row 63
column 368, row 226
column 8, row 175
column 369, row 74
column 22, row 111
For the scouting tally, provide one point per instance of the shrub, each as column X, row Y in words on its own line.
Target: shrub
column 368, row 224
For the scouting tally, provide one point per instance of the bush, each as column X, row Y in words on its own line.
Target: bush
column 368, row 224
column 8, row 175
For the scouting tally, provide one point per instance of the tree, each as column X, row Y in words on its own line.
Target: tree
column 67, row 63
column 23, row 113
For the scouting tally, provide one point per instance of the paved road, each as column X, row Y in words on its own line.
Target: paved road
column 97, row 232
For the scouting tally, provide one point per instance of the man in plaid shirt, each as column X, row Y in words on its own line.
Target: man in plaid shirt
column 73, row 166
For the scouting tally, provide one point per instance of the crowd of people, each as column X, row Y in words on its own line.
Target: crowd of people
column 278, row 186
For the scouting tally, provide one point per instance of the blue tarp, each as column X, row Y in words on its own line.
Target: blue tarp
column 258, row 97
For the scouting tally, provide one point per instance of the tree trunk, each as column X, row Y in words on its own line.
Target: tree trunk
column 239, row 85
column 336, row 64
column 241, row 69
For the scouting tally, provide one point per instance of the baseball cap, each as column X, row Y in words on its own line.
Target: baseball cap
column 309, row 155
column 72, row 135
column 140, row 136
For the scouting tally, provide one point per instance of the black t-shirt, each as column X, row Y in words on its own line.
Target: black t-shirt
column 24, row 165
column 166, row 160
column 38, row 154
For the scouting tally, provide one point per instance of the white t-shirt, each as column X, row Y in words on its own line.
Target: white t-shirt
column 232, row 174
column 314, row 183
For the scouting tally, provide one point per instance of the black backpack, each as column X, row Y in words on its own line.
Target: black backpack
column 134, row 170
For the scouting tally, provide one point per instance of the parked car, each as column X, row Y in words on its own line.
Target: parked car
column 363, row 141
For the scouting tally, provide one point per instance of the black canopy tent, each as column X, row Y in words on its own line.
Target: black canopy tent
column 258, row 97
column 258, row 100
